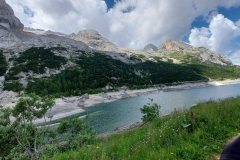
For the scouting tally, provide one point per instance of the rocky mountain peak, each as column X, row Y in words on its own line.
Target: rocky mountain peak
column 150, row 47
column 171, row 45
column 200, row 53
column 90, row 33
column 8, row 19
column 95, row 40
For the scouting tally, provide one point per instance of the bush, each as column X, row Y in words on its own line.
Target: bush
column 151, row 111
column 21, row 138
column 15, row 86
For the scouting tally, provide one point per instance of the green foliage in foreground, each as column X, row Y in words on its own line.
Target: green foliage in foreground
column 151, row 111
column 3, row 64
column 199, row 133
column 20, row 138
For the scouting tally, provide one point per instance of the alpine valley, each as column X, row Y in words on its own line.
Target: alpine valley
column 47, row 62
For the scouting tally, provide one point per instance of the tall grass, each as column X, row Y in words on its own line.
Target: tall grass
column 198, row 133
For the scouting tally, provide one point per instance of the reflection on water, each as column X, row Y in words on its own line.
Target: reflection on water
column 108, row 116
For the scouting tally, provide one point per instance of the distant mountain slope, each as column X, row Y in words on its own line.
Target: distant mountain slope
column 95, row 40
column 150, row 47
column 179, row 50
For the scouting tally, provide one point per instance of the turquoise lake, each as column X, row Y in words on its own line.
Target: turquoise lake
column 109, row 116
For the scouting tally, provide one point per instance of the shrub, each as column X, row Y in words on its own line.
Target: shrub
column 151, row 111
column 21, row 138
column 15, row 86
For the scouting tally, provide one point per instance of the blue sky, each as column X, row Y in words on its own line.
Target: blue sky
column 214, row 24
column 232, row 14
column 110, row 3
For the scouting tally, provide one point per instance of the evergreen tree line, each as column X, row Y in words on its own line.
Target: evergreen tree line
column 35, row 59
column 95, row 71
column 3, row 64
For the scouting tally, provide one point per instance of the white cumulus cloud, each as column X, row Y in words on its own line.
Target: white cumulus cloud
column 218, row 36
column 130, row 23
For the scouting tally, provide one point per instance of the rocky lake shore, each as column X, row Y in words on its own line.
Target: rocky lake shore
column 67, row 106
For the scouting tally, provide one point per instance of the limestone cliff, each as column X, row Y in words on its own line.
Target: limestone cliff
column 179, row 49
column 8, row 19
column 95, row 40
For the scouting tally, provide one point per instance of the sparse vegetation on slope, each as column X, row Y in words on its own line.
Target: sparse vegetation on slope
column 92, row 72
column 198, row 133
column 186, row 58
column 217, row 72
column 35, row 59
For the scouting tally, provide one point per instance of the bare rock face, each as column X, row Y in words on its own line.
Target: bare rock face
column 71, row 36
column 8, row 98
column 8, row 19
column 175, row 46
column 203, row 54
column 150, row 47
column 95, row 40
column 7, row 38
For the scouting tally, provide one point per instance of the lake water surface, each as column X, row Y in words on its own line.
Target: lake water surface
column 109, row 116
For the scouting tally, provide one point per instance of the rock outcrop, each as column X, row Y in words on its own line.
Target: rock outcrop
column 8, row 19
column 8, row 98
column 71, row 36
column 201, row 53
column 150, row 47
column 175, row 46
column 95, row 40
column 7, row 38
column 28, row 29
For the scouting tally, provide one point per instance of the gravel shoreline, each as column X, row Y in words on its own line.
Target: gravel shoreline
column 67, row 106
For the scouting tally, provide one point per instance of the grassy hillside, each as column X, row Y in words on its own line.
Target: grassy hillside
column 178, row 136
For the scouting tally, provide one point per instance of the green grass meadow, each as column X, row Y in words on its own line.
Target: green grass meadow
column 195, row 134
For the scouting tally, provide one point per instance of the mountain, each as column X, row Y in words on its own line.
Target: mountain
column 7, row 38
column 95, row 40
column 71, row 36
column 65, row 65
column 7, row 17
column 184, row 52
column 33, row 30
column 28, row 29
column 150, row 47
